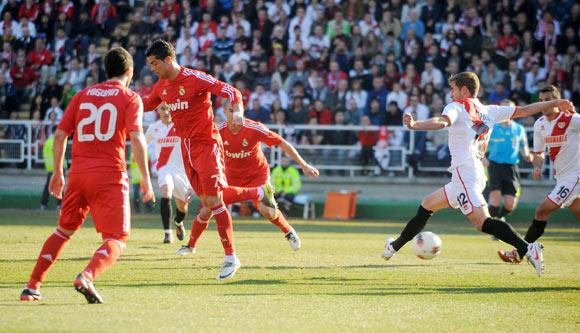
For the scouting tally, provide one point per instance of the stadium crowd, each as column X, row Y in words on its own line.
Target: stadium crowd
column 298, row 61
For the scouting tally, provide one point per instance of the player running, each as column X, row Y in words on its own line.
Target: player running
column 559, row 132
column 100, row 116
column 246, row 166
column 187, row 95
column 469, row 121
column 170, row 173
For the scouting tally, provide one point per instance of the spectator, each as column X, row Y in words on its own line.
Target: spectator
column 491, row 76
column 54, row 108
column 352, row 114
column 40, row 59
column 390, row 24
column 431, row 75
column 104, row 16
column 394, row 116
column 286, row 181
column 379, row 92
column 368, row 139
column 358, row 94
column 413, row 24
column 298, row 114
column 499, row 94
column 279, row 94
column 533, row 77
column 338, row 138
column 24, row 80
column 322, row 114
column 258, row 113
column 431, row 15
column 75, row 75
column 338, row 98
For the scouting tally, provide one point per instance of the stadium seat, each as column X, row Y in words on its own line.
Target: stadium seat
column 309, row 206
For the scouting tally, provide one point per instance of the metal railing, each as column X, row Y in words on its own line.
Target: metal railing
column 341, row 159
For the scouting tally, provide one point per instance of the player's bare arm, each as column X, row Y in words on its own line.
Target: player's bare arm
column 140, row 152
column 431, row 124
column 57, row 180
column 538, row 162
column 309, row 171
column 530, row 110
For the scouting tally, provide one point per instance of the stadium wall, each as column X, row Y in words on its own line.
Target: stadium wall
column 379, row 198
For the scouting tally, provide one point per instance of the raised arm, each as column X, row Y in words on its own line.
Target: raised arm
column 532, row 109
column 310, row 171
column 431, row 124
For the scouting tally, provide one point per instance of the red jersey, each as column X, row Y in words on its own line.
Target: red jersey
column 189, row 99
column 246, row 164
column 101, row 117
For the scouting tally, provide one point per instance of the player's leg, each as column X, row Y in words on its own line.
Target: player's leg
column 511, row 190
column 199, row 225
column 233, row 194
column 165, row 209
column 225, row 229
column 181, row 207
column 110, row 209
column 278, row 219
column 494, row 202
column 494, row 184
column 73, row 214
column 430, row 204
column 104, row 257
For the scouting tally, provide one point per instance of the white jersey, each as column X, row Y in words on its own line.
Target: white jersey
column 470, row 123
column 167, row 146
column 561, row 137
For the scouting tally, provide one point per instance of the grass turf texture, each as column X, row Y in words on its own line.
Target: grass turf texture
column 336, row 282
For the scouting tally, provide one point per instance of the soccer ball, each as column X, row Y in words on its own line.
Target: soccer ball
column 426, row 245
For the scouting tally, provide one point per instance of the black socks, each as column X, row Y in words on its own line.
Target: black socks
column 165, row 208
column 535, row 231
column 413, row 227
column 179, row 216
column 506, row 233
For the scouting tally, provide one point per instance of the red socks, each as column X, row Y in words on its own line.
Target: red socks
column 225, row 228
column 280, row 222
column 48, row 255
column 239, row 194
column 105, row 256
column 197, row 228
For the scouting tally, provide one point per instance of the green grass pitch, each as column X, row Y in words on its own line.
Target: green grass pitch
column 336, row 282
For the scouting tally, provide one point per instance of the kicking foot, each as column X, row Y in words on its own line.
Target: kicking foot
column 293, row 239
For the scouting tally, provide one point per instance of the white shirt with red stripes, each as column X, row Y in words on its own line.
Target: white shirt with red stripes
column 468, row 130
column 561, row 137
column 167, row 146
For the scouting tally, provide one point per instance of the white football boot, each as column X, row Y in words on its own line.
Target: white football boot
column 185, row 250
column 535, row 257
column 293, row 239
column 229, row 269
column 389, row 251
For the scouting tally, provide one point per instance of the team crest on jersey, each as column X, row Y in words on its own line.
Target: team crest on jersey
column 181, row 90
column 561, row 124
column 164, row 92
column 245, row 143
column 226, row 143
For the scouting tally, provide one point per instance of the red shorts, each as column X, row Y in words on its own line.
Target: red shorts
column 204, row 166
column 105, row 195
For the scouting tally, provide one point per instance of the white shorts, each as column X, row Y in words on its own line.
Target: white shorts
column 566, row 191
column 465, row 189
column 177, row 183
